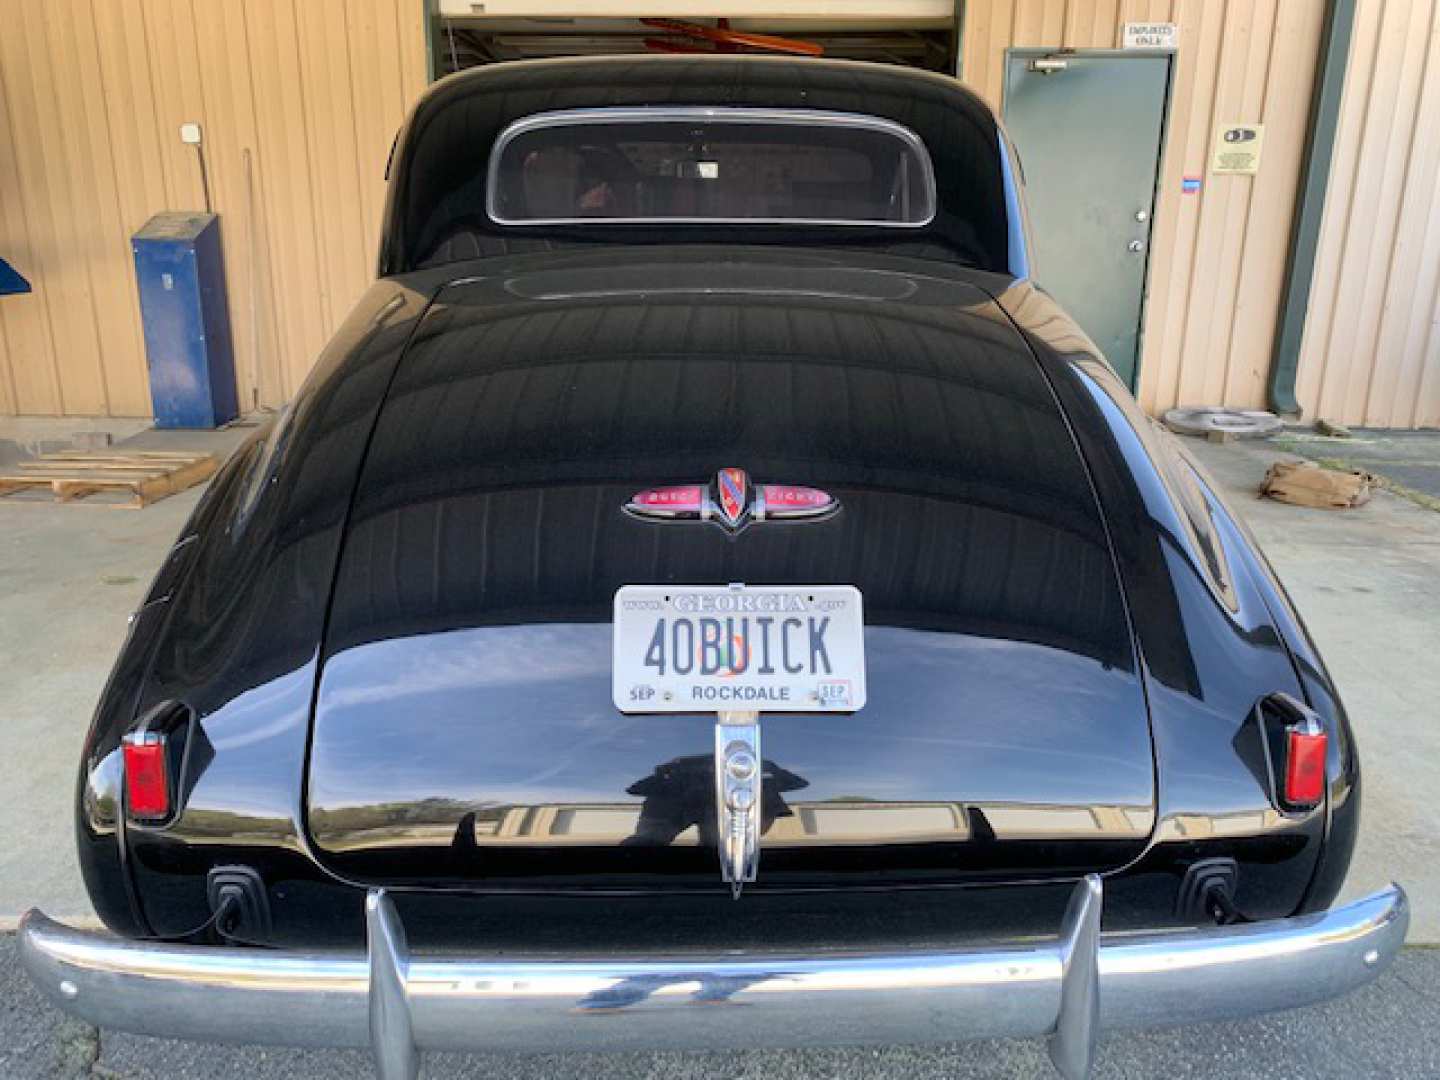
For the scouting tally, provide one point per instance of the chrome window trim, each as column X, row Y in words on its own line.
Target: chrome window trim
column 724, row 114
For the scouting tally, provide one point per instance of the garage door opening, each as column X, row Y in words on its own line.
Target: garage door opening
column 918, row 33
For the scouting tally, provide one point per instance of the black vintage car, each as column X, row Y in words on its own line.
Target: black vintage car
column 702, row 399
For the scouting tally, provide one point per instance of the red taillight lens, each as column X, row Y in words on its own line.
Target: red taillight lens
column 147, row 776
column 1304, row 768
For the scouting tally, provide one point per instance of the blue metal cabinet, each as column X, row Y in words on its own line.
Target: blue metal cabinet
column 11, row 281
column 186, row 319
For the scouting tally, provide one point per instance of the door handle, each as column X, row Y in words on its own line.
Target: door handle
column 1136, row 246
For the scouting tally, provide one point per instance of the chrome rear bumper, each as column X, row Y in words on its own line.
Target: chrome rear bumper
column 397, row 1004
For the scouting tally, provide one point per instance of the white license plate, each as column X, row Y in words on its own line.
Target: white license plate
column 707, row 648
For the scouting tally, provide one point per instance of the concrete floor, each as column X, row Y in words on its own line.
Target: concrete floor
column 1367, row 581
column 69, row 577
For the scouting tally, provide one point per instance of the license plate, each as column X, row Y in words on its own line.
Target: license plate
column 707, row 648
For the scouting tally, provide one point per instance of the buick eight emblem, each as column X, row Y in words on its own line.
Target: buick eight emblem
column 734, row 490
column 732, row 501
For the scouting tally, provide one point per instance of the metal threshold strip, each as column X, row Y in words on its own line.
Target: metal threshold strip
column 398, row 1004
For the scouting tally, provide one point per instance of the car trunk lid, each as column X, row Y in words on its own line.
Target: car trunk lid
column 464, row 733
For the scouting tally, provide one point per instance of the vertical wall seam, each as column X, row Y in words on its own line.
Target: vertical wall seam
column 1347, row 220
column 1351, row 225
column 12, row 399
column 1393, row 176
column 1184, row 77
column 1009, row 13
column 10, row 405
column 155, row 99
column 264, row 330
column 139, row 367
column 1429, row 365
column 360, row 215
column 1368, row 290
column 89, row 257
column 1426, row 367
column 1069, row 18
column 316, row 238
column 395, row 10
column 205, row 112
column 6, row 102
column 49, row 211
column 1234, row 302
column 1397, row 242
column 1202, row 219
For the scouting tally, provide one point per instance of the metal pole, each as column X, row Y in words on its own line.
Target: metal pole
column 204, row 177
column 1334, row 58
column 957, row 36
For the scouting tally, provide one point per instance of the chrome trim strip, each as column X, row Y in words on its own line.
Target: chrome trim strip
column 1016, row 239
column 661, row 513
column 823, row 999
column 758, row 509
column 670, row 114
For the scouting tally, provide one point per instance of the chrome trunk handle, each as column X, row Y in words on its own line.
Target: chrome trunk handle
column 737, row 797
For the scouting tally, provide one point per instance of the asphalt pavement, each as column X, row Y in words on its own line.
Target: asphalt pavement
column 1408, row 460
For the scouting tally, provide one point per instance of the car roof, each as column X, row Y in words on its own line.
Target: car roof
column 437, row 180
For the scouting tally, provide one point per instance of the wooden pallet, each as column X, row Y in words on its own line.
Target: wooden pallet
column 72, row 475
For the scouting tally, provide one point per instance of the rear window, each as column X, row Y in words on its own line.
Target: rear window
column 707, row 166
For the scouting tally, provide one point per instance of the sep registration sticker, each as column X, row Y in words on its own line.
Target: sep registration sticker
column 762, row 648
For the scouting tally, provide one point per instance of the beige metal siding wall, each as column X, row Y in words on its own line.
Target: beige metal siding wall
column 1371, row 350
column 1217, row 258
column 309, row 93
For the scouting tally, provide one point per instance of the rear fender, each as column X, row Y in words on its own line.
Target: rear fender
column 1341, row 810
column 99, row 819
column 1206, row 623
column 230, row 631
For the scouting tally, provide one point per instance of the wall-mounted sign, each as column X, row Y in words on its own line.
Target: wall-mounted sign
column 1237, row 149
column 1150, row 35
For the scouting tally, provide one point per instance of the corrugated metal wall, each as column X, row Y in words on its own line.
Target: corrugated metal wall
column 299, row 100
column 1217, row 258
column 1371, row 351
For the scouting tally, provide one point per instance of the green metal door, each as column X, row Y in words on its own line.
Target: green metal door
column 1089, row 127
